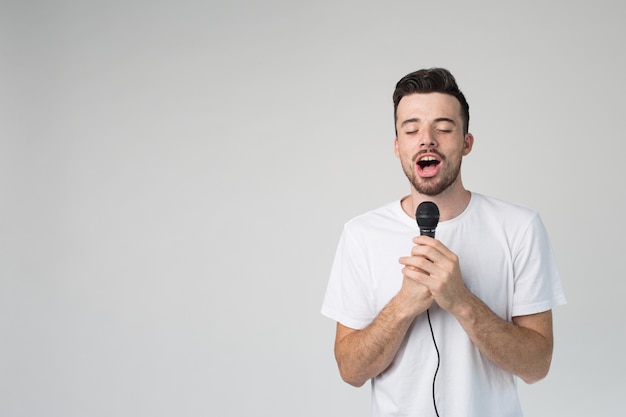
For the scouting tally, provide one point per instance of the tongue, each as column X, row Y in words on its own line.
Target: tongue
column 428, row 170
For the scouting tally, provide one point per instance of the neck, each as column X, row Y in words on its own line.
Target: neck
column 451, row 202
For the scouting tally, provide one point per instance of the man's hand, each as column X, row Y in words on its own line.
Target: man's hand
column 522, row 347
column 434, row 266
column 414, row 296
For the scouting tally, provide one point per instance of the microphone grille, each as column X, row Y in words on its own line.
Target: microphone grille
column 427, row 214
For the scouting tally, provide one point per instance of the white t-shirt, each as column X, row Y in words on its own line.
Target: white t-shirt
column 506, row 260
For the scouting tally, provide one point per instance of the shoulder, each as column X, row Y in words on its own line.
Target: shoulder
column 503, row 218
column 494, row 207
column 518, row 224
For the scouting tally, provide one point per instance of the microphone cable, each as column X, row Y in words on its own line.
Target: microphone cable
column 427, row 217
column 432, row 333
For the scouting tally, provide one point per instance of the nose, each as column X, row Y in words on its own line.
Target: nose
column 427, row 139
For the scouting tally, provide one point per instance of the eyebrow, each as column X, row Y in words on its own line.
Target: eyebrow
column 439, row 119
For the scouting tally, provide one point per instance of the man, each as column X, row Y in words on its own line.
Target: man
column 442, row 326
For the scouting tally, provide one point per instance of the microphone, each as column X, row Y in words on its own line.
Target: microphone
column 427, row 216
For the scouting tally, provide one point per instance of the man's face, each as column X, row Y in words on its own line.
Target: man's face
column 430, row 141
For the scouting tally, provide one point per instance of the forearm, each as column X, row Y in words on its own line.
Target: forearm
column 523, row 348
column 522, row 351
column 364, row 354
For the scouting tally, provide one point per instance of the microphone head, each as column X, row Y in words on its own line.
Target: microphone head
column 427, row 216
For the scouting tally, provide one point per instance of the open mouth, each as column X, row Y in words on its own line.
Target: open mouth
column 427, row 162
column 428, row 166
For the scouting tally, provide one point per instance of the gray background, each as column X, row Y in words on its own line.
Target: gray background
column 174, row 177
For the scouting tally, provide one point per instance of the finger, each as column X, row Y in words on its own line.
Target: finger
column 436, row 253
column 417, row 262
column 429, row 253
column 427, row 241
column 415, row 273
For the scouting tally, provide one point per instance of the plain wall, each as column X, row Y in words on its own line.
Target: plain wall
column 174, row 177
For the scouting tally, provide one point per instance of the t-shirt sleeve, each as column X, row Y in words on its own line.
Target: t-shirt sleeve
column 538, row 284
column 349, row 299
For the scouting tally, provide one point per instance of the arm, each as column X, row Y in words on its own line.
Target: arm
column 364, row 354
column 523, row 347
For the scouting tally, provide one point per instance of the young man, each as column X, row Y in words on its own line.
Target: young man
column 445, row 325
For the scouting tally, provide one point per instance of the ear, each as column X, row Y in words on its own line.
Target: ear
column 468, row 143
column 395, row 147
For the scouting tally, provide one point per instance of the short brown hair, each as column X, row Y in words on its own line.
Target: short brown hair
column 433, row 80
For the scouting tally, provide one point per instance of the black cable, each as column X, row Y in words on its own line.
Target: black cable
column 432, row 333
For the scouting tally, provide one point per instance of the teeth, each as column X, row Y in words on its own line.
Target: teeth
column 428, row 158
